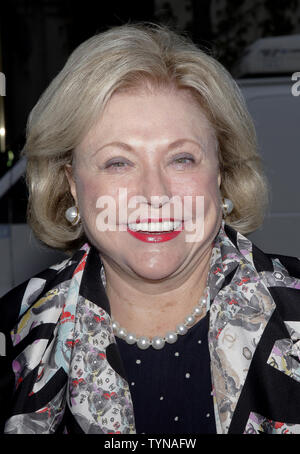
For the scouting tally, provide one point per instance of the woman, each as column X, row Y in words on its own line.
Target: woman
column 142, row 164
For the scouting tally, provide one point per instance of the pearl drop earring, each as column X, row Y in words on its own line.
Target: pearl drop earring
column 227, row 206
column 72, row 215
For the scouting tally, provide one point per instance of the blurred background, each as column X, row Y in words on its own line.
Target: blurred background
column 258, row 41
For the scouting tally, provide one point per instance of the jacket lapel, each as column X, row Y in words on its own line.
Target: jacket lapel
column 241, row 307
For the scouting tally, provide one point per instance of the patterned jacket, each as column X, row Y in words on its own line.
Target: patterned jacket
column 63, row 372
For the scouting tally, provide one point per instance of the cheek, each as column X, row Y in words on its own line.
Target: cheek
column 202, row 184
column 88, row 191
column 211, row 195
column 98, row 202
column 199, row 195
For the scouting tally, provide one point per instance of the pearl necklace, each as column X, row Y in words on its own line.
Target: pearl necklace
column 170, row 337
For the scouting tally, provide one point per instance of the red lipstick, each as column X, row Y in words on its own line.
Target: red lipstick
column 155, row 237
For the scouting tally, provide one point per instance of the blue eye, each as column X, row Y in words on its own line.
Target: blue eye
column 185, row 160
column 181, row 160
column 116, row 164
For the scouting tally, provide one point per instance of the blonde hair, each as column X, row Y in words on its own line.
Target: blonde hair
column 125, row 57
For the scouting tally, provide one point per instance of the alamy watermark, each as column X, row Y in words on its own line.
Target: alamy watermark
column 2, row 84
column 187, row 212
column 296, row 86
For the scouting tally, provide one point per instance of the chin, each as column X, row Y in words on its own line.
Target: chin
column 153, row 274
column 153, row 265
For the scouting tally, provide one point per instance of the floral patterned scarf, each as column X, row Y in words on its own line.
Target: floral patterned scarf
column 69, row 375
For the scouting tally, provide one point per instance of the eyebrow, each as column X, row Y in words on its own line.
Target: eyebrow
column 127, row 147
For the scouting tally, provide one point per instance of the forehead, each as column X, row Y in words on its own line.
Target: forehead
column 151, row 114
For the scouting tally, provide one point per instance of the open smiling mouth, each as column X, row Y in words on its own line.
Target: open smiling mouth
column 155, row 231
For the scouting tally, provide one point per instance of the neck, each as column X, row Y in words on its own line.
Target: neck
column 152, row 309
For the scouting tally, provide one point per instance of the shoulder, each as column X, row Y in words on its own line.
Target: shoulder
column 12, row 305
column 290, row 263
column 264, row 261
column 281, row 275
column 276, row 264
column 22, row 296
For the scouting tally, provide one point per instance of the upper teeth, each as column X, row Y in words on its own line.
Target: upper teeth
column 155, row 226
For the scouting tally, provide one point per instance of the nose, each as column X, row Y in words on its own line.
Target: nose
column 155, row 187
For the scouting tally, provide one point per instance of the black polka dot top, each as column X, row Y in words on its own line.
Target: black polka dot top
column 171, row 388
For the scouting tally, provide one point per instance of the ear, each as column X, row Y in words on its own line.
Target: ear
column 71, row 180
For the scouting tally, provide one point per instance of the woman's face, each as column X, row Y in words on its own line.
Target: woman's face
column 151, row 156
